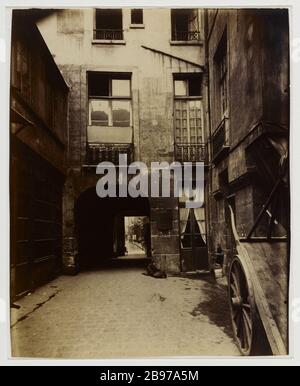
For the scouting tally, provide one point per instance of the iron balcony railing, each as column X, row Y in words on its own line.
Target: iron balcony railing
column 220, row 140
column 108, row 34
column 190, row 152
column 98, row 152
column 186, row 36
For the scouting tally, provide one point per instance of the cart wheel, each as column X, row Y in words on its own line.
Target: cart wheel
column 242, row 307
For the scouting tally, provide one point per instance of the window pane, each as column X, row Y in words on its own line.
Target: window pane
column 121, row 87
column 195, row 86
column 136, row 16
column 99, row 113
column 180, row 87
column 195, row 124
column 121, row 113
column 98, row 84
column 109, row 19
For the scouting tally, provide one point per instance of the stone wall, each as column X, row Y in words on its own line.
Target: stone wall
column 257, row 84
column 147, row 54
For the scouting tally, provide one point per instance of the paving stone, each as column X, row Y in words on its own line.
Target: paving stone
column 119, row 312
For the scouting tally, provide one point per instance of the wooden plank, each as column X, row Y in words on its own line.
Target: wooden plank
column 270, row 326
column 273, row 334
column 270, row 262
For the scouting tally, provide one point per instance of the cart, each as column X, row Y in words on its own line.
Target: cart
column 258, row 279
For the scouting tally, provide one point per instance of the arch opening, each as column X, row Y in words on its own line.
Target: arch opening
column 104, row 228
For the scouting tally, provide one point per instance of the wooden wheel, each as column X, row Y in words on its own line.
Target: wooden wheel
column 242, row 307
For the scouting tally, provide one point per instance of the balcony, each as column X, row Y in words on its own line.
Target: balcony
column 108, row 34
column 185, row 26
column 190, row 152
column 220, row 142
column 99, row 152
column 186, row 36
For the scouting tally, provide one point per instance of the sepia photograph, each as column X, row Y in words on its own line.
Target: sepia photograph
column 149, row 182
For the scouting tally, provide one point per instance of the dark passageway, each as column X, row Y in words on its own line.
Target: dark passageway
column 100, row 227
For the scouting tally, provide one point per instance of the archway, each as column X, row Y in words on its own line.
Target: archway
column 100, row 226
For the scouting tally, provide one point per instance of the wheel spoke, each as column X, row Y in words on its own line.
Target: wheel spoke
column 236, row 312
column 240, row 307
column 247, row 319
column 247, row 310
column 236, row 283
column 245, row 335
column 243, row 287
column 247, row 325
column 234, row 289
column 242, row 332
column 239, row 324
column 236, row 275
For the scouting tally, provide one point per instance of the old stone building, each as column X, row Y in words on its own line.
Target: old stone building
column 38, row 142
column 248, row 184
column 137, row 85
column 249, row 105
column 155, row 86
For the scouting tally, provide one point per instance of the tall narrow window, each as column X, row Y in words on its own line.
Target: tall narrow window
column 220, row 60
column 188, row 110
column 108, row 24
column 136, row 16
column 109, row 99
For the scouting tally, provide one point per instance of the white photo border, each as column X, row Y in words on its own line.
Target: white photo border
column 5, row 21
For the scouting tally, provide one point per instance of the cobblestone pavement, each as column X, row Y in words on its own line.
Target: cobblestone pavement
column 134, row 249
column 119, row 312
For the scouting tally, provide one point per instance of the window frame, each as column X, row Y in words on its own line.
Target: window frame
column 132, row 23
column 111, row 98
column 187, row 98
column 187, row 12
column 221, row 75
column 95, row 39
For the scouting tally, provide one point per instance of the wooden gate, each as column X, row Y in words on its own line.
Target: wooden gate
column 36, row 220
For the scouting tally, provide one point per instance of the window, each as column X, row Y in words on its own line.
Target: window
column 136, row 16
column 185, row 25
column 109, row 99
column 220, row 61
column 108, row 24
column 188, row 110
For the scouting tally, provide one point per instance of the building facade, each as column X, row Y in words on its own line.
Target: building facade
column 137, row 85
column 249, row 104
column 248, row 184
column 155, row 86
column 38, row 127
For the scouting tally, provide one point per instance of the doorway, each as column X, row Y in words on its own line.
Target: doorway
column 193, row 239
column 101, row 230
column 137, row 236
